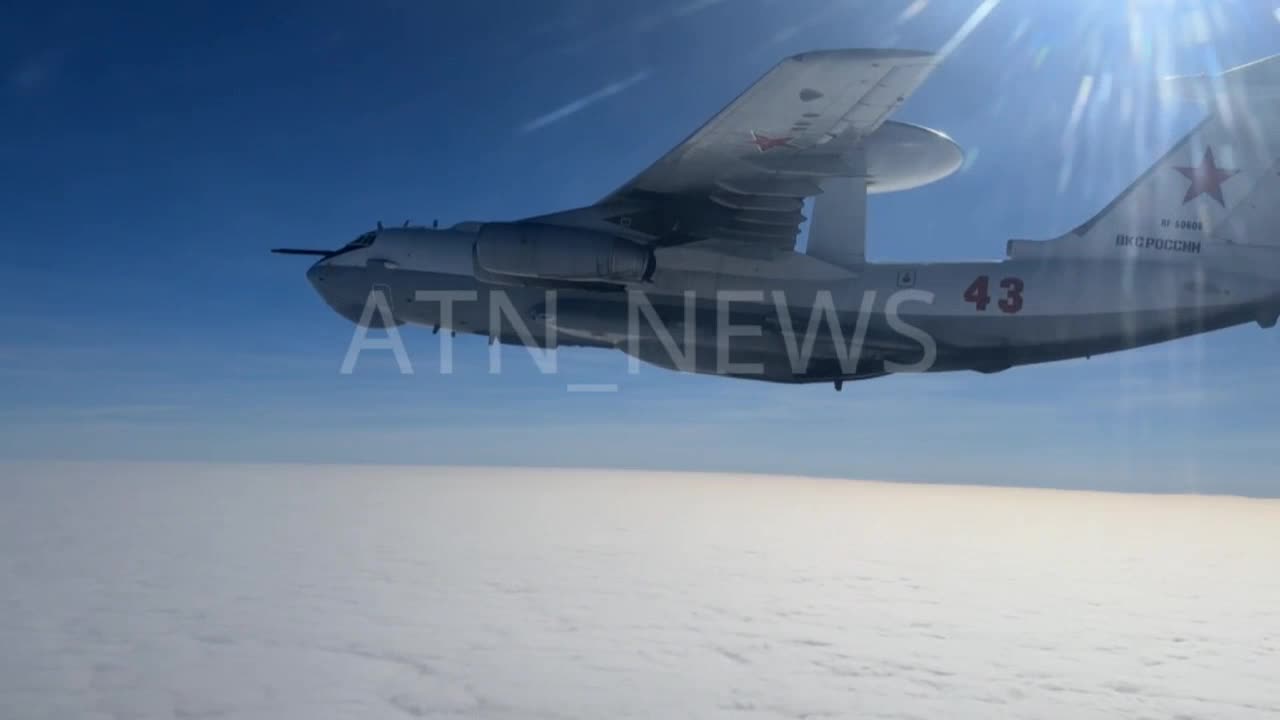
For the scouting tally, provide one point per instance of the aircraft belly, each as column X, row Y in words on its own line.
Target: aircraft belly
column 782, row 331
column 1069, row 308
column 995, row 343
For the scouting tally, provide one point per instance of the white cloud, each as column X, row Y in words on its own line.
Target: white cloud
column 687, row 9
column 583, row 102
column 151, row 591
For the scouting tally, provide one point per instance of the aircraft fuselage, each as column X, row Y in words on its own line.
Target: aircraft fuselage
column 791, row 318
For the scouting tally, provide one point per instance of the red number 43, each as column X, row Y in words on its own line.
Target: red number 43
column 979, row 293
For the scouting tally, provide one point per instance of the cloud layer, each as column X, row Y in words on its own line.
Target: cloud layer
column 150, row 591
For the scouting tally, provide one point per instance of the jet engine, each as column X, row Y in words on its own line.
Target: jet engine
column 556, row 254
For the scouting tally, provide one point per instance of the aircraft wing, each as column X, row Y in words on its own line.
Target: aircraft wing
column 743, row 176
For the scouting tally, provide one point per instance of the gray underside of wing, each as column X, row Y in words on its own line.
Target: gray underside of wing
column 745, row 175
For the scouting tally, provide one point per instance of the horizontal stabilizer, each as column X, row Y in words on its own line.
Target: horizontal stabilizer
column 1256, row 81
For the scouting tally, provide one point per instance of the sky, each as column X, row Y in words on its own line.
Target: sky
column 154, row 153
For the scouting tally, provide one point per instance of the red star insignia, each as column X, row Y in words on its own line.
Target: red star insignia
column 1206, row 179
column 764, row 142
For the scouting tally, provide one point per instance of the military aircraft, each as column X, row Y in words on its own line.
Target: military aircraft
column 692, row 265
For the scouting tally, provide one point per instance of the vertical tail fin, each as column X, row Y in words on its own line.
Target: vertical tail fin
column 1219, row 184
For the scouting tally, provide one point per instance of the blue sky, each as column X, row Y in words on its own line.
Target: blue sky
column 154, row 154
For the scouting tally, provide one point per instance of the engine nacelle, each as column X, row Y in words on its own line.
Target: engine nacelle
column 546, row 252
